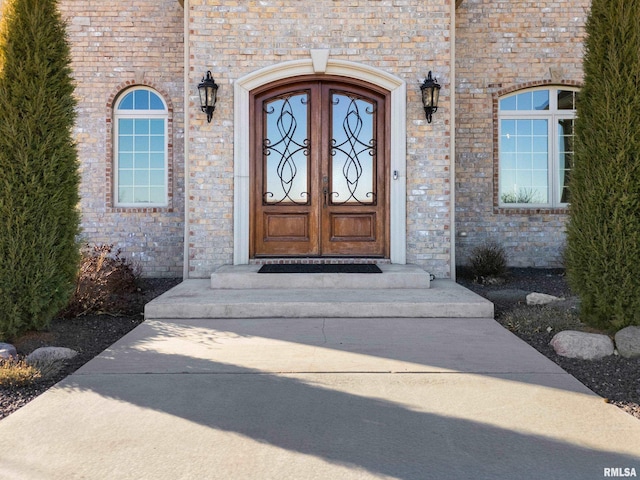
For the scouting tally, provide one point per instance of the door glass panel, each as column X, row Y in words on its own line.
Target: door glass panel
column 353, row 150
column 285, row 150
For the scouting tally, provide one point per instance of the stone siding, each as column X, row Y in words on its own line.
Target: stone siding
column 500, row 47
column 116, row 45
column 406, row 38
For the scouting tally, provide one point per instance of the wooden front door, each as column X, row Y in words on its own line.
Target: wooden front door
column 319, row 171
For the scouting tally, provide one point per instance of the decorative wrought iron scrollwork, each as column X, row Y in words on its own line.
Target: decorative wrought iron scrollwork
column 353, row 147
column 287, row 147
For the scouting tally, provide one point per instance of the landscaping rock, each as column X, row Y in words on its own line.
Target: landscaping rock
column 586, row 346
column 535, row 298
column 7, row 351
column 49, row 360
column 628, row 342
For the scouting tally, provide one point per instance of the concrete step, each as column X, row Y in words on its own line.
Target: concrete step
column 233, row 277
column 196, row 299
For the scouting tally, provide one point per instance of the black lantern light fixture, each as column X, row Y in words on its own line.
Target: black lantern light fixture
column 208, row 90
column 430, row 95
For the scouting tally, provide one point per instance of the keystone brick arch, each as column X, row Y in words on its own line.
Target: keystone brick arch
column 320, row 63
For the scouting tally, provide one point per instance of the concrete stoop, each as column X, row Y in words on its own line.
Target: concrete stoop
column 401, row 291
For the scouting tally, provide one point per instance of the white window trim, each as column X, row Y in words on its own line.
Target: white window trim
column 133, row 114
column 553, row 167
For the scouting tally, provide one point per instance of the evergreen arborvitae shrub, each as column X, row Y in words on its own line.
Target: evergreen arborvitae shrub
column 39, row 178
column 603, row 243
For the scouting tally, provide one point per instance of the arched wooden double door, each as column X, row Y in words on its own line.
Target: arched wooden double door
column 319, row 170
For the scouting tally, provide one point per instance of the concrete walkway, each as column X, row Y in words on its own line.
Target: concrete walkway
column 318, row 399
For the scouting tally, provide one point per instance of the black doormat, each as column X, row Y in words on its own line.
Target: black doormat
column 320, row 268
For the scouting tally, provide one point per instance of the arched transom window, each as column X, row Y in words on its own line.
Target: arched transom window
column 140, row 149
column 536, row 147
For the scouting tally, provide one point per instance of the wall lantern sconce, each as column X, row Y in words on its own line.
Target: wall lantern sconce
column 430, row 94
column 208, row 90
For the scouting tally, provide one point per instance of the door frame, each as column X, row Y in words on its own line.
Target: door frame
column 320, row 63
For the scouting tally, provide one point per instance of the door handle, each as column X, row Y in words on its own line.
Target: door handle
column 325, row 190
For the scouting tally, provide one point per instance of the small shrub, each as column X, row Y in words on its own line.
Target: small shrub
column 17, row 373
column 488, row 261
column 104, row 278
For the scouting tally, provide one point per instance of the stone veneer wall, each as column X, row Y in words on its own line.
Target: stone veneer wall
column 233, row 38
column 116, row 45
column 503, row 46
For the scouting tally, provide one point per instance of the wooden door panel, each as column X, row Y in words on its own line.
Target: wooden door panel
column 282, row 233
column 346, row 227
column 287, row 227
column 319, row 170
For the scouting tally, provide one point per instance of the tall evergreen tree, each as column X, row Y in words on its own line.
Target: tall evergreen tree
column 39, row 178
column 603, row 249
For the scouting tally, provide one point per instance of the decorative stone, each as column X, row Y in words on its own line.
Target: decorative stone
column 535, row 298
column 50, row 354
column 586, row 346
column 7, row 350
column 49, row 360
column 628, row 342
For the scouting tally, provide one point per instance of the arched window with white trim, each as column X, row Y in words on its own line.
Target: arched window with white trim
column 140, row 149
column 536, row 147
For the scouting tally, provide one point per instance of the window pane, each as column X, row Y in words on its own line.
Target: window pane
column 141, row 160
column 540, row 127
column 141, row 178
column 141, row 195
column 508, row 127
column 508, row 103
column 525, row 101
column 566, row 100
column 156, row 178
column 157, row 195
column 524, row 144
column 157, row 127
column 125, row 194
column 125, row 126
column 508, row 160
column 157, row 143
column 156, row 160
column 125, row 160
column 142, row 126
column 524, row 127
column 541, row 100
column 141, row 144
column 126, row 178
column 125, row 143
column 141, row 100
column 127, row 102
column 155, row 102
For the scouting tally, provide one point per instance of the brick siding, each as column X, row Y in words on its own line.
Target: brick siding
column 406, row 38
column 116, row 45
column 504, row 46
